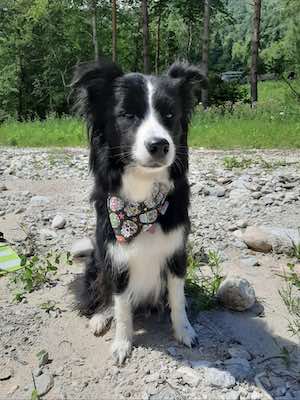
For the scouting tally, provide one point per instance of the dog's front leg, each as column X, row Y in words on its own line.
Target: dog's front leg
column 184, row 332
column 121, row 347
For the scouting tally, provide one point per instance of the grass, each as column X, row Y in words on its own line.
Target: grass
column 202, row 287
column 274, row 123
column 290, row 295
column 53, row 132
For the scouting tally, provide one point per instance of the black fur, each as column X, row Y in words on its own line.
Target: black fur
column 113, row 104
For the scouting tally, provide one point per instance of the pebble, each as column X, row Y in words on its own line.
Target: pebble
column 44, row 383
column 239, row 352
column 201, row 364
column 39, row 201
column 58, row 222
column 218, row 378
column 250, row 261
column 3, row 188
column 188, row 375
column 5, row 373
column 236, row 293
column 238, row 367
column 47, row 234
column 232, row 395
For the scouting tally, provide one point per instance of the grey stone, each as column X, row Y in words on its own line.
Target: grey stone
column 5, row 373
column 166, row 393
column 47, row 234
column 189, row 376
column 58, row 222
column 44, row 383
column 238, row 367
column 236, row 293
column 200, row 364
column 232, row 395
column 218, row 378
column 39, row 201
column 239, row 352
column 82, row 248
column 3, row 188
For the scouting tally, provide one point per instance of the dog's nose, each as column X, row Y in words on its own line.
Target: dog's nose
column 157, row 147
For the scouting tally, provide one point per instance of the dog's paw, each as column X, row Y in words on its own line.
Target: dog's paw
column 121, row 349
column 99, row 323
column 184, row 333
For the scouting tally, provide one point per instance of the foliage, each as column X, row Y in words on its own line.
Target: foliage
column 225, row 93
column 36, row 272
column 201, row 287
column 290, row 295
column 41, row 41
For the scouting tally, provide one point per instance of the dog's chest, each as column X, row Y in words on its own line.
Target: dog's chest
column 146, row 258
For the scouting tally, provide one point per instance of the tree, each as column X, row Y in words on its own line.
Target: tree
column 254, row 50
column 93, row 7
column 205, row 49
column 114, row 30
column 144, row 7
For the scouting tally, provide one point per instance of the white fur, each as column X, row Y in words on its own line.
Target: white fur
column 122, row 343
column 146, row 257
column 183, row 330
column 151, row 128
column 137, row 182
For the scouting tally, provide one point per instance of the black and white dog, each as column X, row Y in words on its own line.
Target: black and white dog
column 137, row 128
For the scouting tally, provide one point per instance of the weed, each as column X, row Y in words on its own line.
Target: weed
column 49, row 305
column 36, row 272
column 234, row 162
column 290, row 295
column 202, row 288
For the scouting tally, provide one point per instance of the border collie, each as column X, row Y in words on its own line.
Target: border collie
column 137, row 126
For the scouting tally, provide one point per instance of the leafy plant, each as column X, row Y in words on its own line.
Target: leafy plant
column 201, row 287
column 290, row 295
column 234, row 162
column 36, row 272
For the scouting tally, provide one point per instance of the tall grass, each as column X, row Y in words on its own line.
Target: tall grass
column 274, row 123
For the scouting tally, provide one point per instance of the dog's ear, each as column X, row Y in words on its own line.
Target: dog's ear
column 190, row 80
column 93, row 86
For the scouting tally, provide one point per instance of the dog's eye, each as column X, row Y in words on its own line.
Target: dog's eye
column 169, row 116
column 129, row 116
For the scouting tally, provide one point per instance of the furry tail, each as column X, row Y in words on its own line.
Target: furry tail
column 93, row 288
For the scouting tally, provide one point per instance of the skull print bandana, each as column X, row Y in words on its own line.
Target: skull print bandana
column 128, row 219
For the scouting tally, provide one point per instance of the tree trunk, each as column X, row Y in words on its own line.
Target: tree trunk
column 157, row 55
column 205, row 46
column 114, row 30
column 255, row 47
column 190, row 39
column 94, row 27
column 144, row 5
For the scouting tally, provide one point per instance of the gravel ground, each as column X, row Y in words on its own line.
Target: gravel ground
column 241, row 355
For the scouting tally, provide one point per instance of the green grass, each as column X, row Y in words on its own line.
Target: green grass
column 53, row 132
column 274, row 123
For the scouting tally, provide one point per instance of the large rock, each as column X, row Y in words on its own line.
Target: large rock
column 189, row 376
column 82, row 248
column 266, row 239
column 236, row 294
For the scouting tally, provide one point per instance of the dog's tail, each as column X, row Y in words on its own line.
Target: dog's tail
column 93, row 288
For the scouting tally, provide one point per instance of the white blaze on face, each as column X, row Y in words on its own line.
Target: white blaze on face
column 150, row 129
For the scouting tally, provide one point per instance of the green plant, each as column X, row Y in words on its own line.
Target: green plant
column 290, row 295
column 201, row 287
column 234, row 162
column 36, row 272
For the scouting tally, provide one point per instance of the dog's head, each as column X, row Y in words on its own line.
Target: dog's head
column 135, row 119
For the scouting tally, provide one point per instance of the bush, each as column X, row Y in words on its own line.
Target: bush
column 222, row 93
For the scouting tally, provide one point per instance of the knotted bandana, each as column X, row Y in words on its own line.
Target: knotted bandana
column 129, row 219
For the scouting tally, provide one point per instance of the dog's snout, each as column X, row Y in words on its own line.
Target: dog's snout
column 157, row 147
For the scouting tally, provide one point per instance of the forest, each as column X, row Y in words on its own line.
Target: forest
column 42, row 40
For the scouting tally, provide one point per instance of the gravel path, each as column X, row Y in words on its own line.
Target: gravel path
column 241, row 355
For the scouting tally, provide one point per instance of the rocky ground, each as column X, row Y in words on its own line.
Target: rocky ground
column 241, row 355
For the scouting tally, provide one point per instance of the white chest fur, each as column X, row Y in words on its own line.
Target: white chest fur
column 146, row 257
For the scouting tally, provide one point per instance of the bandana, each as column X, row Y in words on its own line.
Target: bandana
column 129, row 219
